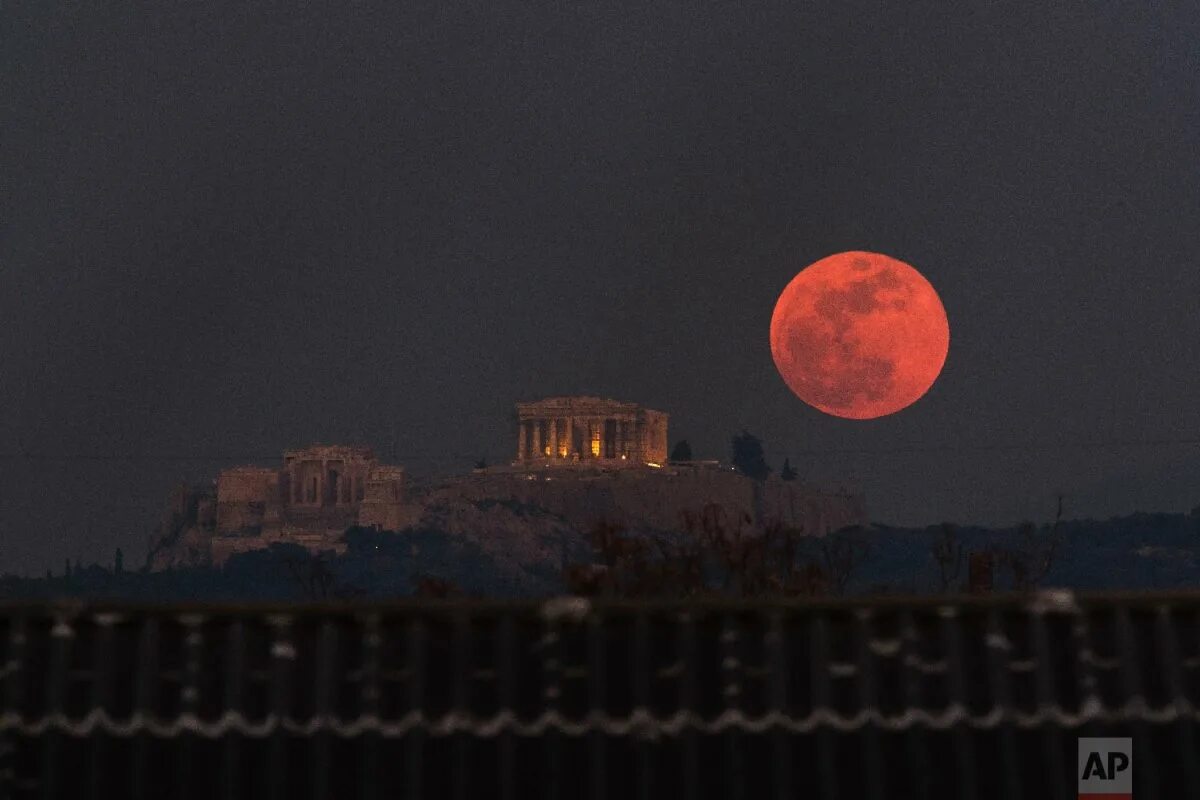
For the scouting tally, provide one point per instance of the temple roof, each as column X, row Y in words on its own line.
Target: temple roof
column 583, row 404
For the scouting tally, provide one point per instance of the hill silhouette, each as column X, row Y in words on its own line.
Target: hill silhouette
column 1139, row 551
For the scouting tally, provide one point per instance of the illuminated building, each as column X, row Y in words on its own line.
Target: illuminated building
column 567, row 430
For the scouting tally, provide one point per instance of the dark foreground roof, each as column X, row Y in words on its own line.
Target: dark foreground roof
column 953, row 698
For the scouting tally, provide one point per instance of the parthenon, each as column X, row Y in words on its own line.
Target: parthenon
column 564, row 430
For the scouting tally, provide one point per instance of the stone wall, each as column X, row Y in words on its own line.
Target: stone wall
column 243, row 494
column 385, row 504
column 660, row 498
column 222, row 547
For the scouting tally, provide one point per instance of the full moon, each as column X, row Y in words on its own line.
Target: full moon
column 859, row 335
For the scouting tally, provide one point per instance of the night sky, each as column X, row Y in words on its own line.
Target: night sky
column 233, row 228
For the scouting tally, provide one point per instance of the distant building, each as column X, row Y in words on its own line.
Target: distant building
column 567, row 430
column 319, row 492
column 584, row 460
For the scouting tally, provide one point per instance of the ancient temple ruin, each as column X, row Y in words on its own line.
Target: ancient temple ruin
column 571, row 430
column 318, row 493
column 622, row 477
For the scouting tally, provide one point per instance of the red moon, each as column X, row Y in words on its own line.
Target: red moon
column 859, row 335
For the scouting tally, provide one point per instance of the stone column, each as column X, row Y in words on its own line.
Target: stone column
column 553, row 423
column 537, row 438
column 520, row 440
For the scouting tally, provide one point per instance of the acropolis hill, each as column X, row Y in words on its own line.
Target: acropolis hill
column 579, row 461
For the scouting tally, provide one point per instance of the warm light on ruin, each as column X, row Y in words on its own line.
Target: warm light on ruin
column 591, row 429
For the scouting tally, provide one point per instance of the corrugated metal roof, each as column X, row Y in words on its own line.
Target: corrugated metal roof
column 962, row 698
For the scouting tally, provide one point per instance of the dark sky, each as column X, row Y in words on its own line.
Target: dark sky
column 232, row 228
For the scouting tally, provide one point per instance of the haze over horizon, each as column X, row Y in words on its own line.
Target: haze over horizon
column 227, row 231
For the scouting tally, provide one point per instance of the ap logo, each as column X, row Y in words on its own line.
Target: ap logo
column 1105, row 769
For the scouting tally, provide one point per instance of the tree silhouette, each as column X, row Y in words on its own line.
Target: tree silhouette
column 842, row 553
column 118, row 562
column 682, row 451
column 311, row 573
column 1031, row 554
column 748, row 456
column 788, row 473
